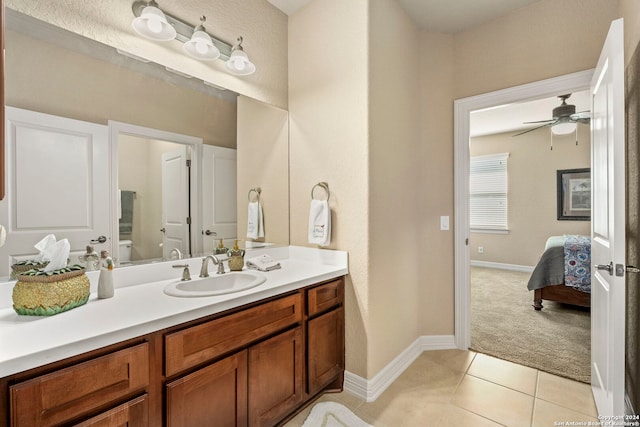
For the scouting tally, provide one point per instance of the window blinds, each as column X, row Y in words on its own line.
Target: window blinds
column 488, row 192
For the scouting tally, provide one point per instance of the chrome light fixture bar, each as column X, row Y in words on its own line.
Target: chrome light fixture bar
column 184, row 30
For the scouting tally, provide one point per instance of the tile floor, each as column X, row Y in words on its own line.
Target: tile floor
column 462, row 388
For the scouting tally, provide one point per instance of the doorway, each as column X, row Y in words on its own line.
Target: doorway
column 163, row 143
column 513, row 211
column 462, row 113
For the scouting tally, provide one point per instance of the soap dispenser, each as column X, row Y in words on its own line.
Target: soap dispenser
column 105, row 281
column 236, row 258
column 220, row 249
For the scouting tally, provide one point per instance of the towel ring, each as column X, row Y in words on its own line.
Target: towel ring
column 323, row 185
column 257, row 190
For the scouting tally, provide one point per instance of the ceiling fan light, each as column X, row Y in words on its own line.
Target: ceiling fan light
column 152, row 24
column 563, row 128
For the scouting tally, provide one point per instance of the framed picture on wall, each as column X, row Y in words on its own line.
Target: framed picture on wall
column 574, row 194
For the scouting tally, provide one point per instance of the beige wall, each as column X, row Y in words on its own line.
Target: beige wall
column 435, row 258
column 49, row 79
column 532, row 195
column 630, row 11
column 263, row 27
column 395, row 187
column 263, row 159
column 328, row 137
column 545, row 39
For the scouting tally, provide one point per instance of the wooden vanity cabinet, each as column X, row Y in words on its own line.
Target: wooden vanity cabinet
column 254, row 365
column 259, row 384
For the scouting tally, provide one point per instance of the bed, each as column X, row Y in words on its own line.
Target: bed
column 563, row 273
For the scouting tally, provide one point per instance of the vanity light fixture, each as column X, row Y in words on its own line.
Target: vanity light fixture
column 239, row 62
column 200, row 45
column 150, row 22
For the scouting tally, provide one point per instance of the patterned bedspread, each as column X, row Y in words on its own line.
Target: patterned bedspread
column 577, row 262
column 566, row 259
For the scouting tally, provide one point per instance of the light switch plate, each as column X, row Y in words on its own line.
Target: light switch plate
column 444, row 223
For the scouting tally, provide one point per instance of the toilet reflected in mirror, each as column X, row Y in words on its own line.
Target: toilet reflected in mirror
column 125, row 251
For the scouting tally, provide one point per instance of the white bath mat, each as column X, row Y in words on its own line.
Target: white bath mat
column 331, row 414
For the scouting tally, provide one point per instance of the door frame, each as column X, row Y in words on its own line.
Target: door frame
column 463, row 107
column 195, row 143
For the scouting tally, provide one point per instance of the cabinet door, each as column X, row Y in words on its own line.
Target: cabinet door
column 133, row 413
column 212, row 396
column 325, row 349
column 275, row 377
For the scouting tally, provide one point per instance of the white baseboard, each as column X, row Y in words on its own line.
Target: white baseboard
column 502, row 266
column 370, row 390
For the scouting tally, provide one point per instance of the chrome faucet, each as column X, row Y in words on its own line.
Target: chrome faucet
column 186, row 275
column 204, row 271
column 175, row 251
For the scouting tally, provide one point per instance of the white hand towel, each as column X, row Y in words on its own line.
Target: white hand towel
column 255, row 221
column 320, row 223
column 263, row 263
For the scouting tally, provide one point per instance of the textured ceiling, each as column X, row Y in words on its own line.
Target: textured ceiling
column 445, row 16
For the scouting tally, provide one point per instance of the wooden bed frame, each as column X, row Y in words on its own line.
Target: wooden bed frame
column 560, row 293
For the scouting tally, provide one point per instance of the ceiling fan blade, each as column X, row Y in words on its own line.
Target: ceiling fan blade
column 537, row 127
column 585, row 120
column 540, row 121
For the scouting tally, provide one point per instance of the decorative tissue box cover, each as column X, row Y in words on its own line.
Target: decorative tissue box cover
column 46, row 295
column 24, row 266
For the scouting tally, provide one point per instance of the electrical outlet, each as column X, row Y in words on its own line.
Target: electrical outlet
column 480, row 249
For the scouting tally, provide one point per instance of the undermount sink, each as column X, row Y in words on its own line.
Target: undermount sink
column 217, row 284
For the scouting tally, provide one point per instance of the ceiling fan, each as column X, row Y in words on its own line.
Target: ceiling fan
column 564, row 118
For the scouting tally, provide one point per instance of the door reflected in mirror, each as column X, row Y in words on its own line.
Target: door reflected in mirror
column 153, row 180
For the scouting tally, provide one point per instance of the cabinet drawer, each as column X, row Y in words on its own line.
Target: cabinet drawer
column 198, row 344
column 68, row 393
column 132, row 413
column 324, row 297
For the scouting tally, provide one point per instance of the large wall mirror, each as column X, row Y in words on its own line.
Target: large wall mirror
column 149, row 115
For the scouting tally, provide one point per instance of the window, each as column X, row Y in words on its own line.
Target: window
column 488, row 193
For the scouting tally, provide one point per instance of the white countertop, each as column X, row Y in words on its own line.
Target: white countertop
column 140, row 306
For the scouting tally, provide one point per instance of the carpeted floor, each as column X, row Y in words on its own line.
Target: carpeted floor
column 505, row 325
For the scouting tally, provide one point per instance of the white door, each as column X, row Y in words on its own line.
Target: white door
column 219, row 200
column 175, row 202
column 57, row 182
column 608, row 226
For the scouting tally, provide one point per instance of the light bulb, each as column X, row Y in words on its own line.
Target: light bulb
column 238, row 64
column 201, row 47
column 155, row 25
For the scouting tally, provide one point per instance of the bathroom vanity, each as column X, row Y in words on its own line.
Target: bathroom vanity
column 252, row 358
